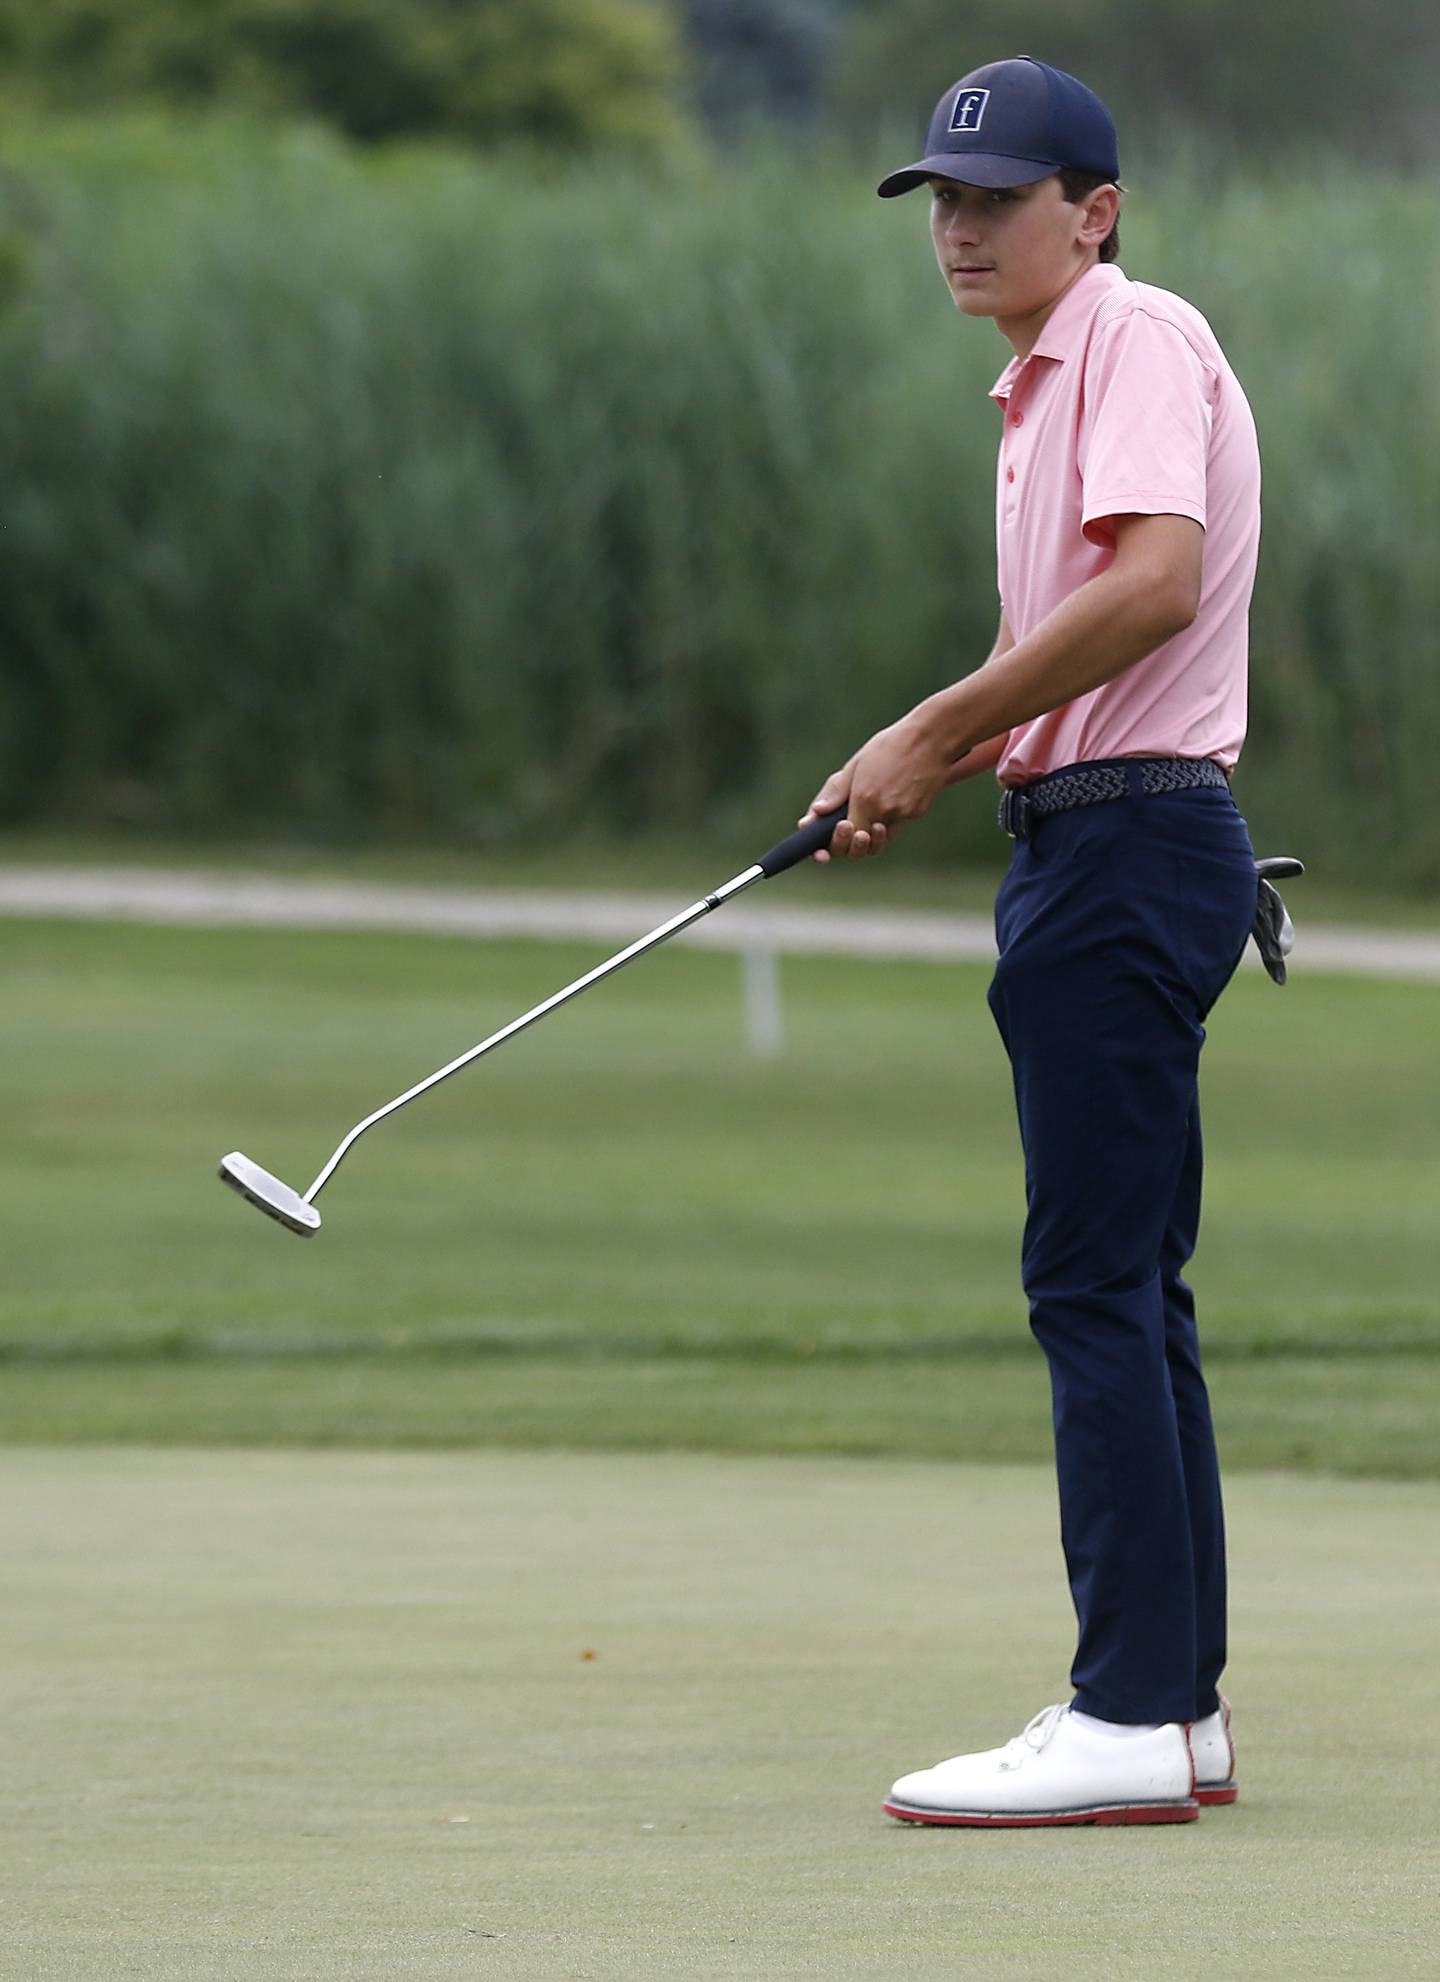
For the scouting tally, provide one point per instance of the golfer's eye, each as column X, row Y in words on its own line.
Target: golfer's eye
column 947, row 196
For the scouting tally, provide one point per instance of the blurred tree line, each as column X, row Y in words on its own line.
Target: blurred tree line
column 603, row 72
column 1295, row 75
column 636, row 74
column 311, row 508
column 365, row 491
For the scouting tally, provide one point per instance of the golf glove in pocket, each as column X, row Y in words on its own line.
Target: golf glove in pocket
column 1272, row 928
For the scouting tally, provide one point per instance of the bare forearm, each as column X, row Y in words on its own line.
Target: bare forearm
column 983, row 757
column 1104, row 627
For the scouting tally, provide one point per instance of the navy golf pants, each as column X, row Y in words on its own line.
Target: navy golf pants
column 1118, row 926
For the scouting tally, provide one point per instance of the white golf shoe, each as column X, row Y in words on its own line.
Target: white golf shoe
column 1212, row 1747
column 1058, row 1771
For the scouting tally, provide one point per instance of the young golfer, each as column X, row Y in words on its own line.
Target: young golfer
column 1113, row 710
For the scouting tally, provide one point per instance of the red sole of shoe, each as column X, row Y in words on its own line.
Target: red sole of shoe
column 1226, row 1793
column 1120, row 1813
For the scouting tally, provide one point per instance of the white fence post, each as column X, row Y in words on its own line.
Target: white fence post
column 764, row 1012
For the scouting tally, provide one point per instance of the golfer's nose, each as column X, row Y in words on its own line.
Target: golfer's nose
column 961, row 228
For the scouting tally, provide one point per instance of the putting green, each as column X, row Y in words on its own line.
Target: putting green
column 331, row 1715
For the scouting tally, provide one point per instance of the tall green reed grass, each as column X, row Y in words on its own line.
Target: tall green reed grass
column 422, row 494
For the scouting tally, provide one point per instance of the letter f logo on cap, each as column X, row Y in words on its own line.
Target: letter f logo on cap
column 969, row 111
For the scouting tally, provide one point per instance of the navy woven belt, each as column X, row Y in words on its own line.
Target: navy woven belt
column 1093, row 784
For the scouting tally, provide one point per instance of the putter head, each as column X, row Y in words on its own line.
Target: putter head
column 277, row 1200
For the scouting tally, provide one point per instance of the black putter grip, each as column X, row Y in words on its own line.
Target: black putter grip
column 801, row 843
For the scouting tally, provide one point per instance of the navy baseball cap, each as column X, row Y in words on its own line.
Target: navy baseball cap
column 1010, row 124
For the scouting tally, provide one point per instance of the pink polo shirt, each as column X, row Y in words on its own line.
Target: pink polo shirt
column 1126, row 406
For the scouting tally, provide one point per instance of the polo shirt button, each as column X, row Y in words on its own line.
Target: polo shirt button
column 1018, row 420
column 1010, row 474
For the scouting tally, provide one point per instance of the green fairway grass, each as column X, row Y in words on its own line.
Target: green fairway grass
column 625, row 1229
column 312, row 1716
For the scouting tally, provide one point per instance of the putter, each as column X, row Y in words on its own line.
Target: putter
column 298, row 1214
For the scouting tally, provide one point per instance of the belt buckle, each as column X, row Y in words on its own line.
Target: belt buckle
column 1017, row 811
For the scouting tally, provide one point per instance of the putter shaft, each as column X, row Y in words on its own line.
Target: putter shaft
column 666, row 930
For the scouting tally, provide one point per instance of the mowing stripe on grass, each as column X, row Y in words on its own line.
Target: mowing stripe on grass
column 1374, row 1417
column 535, row 1344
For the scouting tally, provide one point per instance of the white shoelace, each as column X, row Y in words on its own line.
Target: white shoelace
column 1035, row 1733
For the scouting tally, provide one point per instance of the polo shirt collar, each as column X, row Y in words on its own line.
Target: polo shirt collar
column 1068, row 322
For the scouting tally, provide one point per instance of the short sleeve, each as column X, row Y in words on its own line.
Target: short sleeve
column 1145, row 428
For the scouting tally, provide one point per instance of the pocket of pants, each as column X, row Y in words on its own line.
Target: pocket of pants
column 1215, row 884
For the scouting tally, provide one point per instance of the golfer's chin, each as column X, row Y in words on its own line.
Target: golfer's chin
column 976, row 299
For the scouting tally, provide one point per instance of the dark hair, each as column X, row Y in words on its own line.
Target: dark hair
column 1074, row 186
